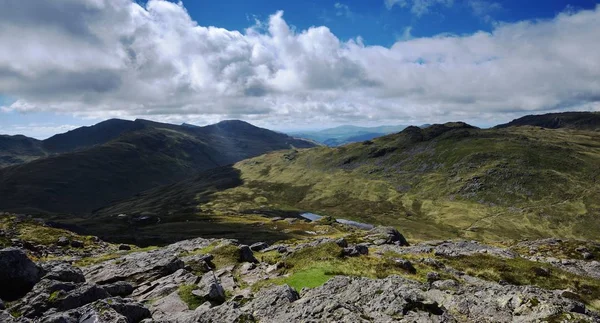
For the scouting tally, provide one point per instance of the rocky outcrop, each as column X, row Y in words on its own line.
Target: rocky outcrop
column 137, row 267
column 386, row 235
column 181, row 283
column 18, row 274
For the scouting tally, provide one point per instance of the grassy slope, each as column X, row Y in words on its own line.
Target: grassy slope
column 440, row 182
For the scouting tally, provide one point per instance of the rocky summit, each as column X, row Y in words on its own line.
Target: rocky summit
column 360, row 276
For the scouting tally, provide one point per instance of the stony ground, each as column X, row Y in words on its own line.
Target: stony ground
column 373, row 276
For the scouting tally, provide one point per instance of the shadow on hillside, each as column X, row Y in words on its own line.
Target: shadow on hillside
column 171, row 213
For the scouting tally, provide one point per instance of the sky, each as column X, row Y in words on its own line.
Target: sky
column 294, row 65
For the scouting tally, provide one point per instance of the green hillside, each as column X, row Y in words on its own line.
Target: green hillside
column 445, row 181
column 153, row 155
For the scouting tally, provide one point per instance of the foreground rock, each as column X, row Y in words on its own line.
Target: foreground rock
column 18, row 274
column 192, row 281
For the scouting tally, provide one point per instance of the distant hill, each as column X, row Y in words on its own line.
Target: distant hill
column 122, row 158
column 85, row 137
column 445, row 181
column 19, row 149
column 347, row 134
column 569, row 120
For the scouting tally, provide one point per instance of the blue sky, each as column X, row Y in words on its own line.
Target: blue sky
column 294, row 65
column 376, row 22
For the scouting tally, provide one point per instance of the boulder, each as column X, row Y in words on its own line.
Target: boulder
column 406, row 265
column 83, row 295
column 155, row 289
column 246, row 254
column 137, row 267
column 2, row 307
column 119, row 289
column 433, row 276
column 64, row 272
column 386, row 235
column 112, row 310
column 355, row 251
column 63, row 241
column 18, row 274
column 210, row 289
column 259, row 246
column 5, row 317
column 124, row 247
column 342, row 242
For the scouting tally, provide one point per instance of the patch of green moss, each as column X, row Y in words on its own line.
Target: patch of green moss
column 192, row 301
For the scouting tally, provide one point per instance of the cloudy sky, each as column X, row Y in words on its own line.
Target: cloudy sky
column 290, row 65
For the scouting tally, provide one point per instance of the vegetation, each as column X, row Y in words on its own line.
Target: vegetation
column 192, row 301
column 520, row 271
column 313, row 266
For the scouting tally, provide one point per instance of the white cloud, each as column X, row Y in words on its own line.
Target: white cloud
column 115, row 58
column 484, row 9
column 418, row 7
column 342, row 10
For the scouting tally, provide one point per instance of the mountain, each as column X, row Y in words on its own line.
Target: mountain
column 445, row 181
column 85, row 137
column 19, row 149
column 123, row 158
column 568, row 120
column 347, row 134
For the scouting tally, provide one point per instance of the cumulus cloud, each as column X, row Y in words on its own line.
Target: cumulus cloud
column 117, row 58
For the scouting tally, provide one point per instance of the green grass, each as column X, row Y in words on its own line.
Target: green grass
column 520, row 271
column 313, row 266
column 448, row 182
column 192, row 301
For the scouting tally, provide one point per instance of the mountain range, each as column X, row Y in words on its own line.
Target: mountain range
column 536, row 176
column 347, row 134
column 86, row 168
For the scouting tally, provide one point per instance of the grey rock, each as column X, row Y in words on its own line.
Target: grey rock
column 386, row 235
column 164, row 286
column 468, row 248
column 64, row 272
column 210, row 289
column 2, row 307
column 433, row 276
column 137, row 267
column 342, row 242
column 246, row 254
column 449, row 284
column 41, row 298
column 119, row 289
column 62, row 241
column 406, row 265
column 587, row 256
column 124, row 247
column 355, row 251
column 112, row 310
column 247, row 267
column 259, row 246
column 18, row 274
column 5, row 317
column 83, row 295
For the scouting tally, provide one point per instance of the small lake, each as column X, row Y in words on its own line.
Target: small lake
column 315, row 217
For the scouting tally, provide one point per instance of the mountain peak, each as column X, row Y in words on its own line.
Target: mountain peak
column 571, row 120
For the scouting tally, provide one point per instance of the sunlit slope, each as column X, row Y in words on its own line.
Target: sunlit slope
column 444, row 181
